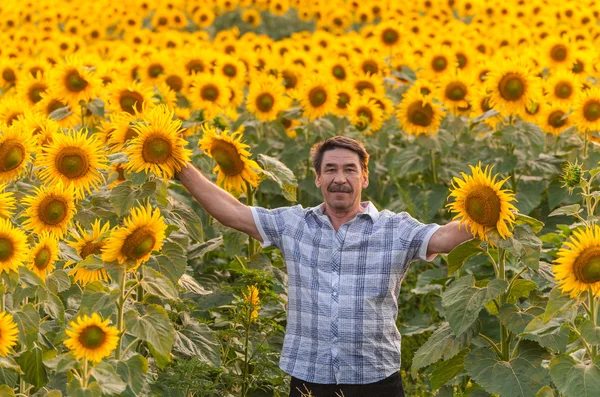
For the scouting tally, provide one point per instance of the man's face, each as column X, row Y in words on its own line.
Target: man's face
column 341, row 180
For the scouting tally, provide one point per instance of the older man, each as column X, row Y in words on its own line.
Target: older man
column 345, row 262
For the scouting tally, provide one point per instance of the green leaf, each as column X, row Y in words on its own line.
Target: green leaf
column 171, row 262
column 576, row 379
column 198, row 340
column 28, row 278
column 430, row 280
column 447, row 370
column 545, row 391
column 190, row 220
column 529, row 195
column 522, row 376
column 34, row 371
column 539, row 326
column 521, row 289
column 96, row 106
column 590, row 332
column 28, row 321
column 281, row 174
column 98, row 298
column 234, row 242
column 74, row 389
column 61, row 363
column 58, row 281
column 52, row 305
column 154, row 327
column 157, row 284
column 558, row 303
column 108, row 380
column 441, row 344
column 535, row 224
column 6, row 391
column 459, row 255
column 555, row 341
column 514, row 319
column 462, row 302
column 60, row 113
column 568, row 210
column 133, row 372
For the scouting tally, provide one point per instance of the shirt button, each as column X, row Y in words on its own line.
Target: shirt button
column 334, row 293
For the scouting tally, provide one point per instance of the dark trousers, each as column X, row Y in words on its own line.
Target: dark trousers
column 388, row 387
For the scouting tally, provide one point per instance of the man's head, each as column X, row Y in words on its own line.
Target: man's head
column 341, row 167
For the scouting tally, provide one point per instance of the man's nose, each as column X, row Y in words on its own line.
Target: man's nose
column 340, row 178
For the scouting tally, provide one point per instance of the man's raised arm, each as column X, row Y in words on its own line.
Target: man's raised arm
column 217, row 202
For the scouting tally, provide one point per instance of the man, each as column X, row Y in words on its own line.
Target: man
column 345, row 262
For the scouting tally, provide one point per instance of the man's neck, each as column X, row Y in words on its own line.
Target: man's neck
column 338, row 218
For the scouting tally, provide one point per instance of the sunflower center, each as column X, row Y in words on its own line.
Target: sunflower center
column 92, row 337
column 591, row 111
column 462, row 60
column 483, row 206
column 42, row 259
column 54, row 105
column 339, row 72
column 209, row 92
column 35, row 92
column 587, row 266
column 72, row 162
column 456, row 91
column 364, row 85
column 129, row 99
column 265, row 102
column 9, row 75
column 317, row 96
column 139, row 243
column 365, row 113
column 6, row 249
column 12, row 155
column 155, row 70
column 74, row 81
column 194, row 66
column 563, row 90
column 439, row 63
column 91, row 248
column 175, row 83
column 52, row 210
column 511, row 87
column 577, row 67
column 230, row 71
column 390, row 36
column 343, row 100
column 485, row 104
column 156, row 150
column 559, row 53
column 228, row 158
column 289, row 79
column 555, row 119
column 419, row 114
column 370, row 67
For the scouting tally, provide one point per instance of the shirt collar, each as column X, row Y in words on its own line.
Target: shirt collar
column 369, row 210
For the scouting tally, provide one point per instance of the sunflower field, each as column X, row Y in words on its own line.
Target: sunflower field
column 115, row 282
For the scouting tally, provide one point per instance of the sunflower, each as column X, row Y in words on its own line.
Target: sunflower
column 266, row 98
column 253, row 301
column 42, row 127
column 129, row 97
column 50, row 103
column 231, row 155
column 577, row 266
column 231, row 68
column 31, row 88
column 154, row 66
column 390, row 34
column 119, row 130
column 293, row 77
column 562, row 88
column 43, row 255
column 13, row 247
column 8, row 72
column 50, row 209
column 86, row 243
column 73, row 158
column 512, row 87
column 157, row 146
column 438, row 61
column 7, row 202
column 252, row 16
column 586, row 110
column 8, row 333
column 558, row 51
column 345, row 92
column 481, row 104
column 480, row 204
column 554, row 119
column 91, row 338
column 317, row 97
column 73, row 81
column 132, row 244
column 12, row 109
column 418, row 114
column 367, row 82
column 209, row 93
column 16, row 147
column 454, row 89
column 175, row 77
column 365, row 114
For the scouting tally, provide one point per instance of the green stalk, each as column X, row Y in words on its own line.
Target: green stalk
column 245, row 374
column 594, row 318
column 504, row 332
column 433, row 169
column 250, row 203
column 585, row 145
column 120, row 307
column 84, row 377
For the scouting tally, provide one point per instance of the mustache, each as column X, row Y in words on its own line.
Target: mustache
column 340, row 188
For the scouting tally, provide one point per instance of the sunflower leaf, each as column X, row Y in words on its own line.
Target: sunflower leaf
column 156, row 283
column 154, row 327
column 447, row 370
column 109, row 381
column 281, row 174
column 459, row 255
column 28, row 321
column 133, row 372
column 569, row 210
column 33, row 367
column 590, row 332
column 576, row 379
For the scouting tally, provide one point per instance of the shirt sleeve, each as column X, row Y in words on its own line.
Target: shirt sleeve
column 415, row 236
column 272, row 223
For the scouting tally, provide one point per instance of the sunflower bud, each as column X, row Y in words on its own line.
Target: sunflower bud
column 220, row 123
column 572, row 176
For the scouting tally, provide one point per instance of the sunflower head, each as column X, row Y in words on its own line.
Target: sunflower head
column 91, row 338
column 572, row 175
column 9, row 333
column 50, row 208
column 44, row 254
column 13, row 247
column 481, row 204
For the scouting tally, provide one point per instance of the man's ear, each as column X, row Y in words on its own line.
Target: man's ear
column 365, row 181
column 318, row 180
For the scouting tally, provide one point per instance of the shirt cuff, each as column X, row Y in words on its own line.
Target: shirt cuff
column 266, row 242
column 425, row 244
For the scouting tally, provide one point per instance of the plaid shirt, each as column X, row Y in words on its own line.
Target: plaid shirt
column 343, row 289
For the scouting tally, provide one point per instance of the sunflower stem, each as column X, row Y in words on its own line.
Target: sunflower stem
column 594, row 312
column 585, row 145
column 250, row 203
column 246, row 337
column 433, row 169
column 84, row 376
column 492, row 344
column 3, row 300
column 504, row 332
column 120, row 307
